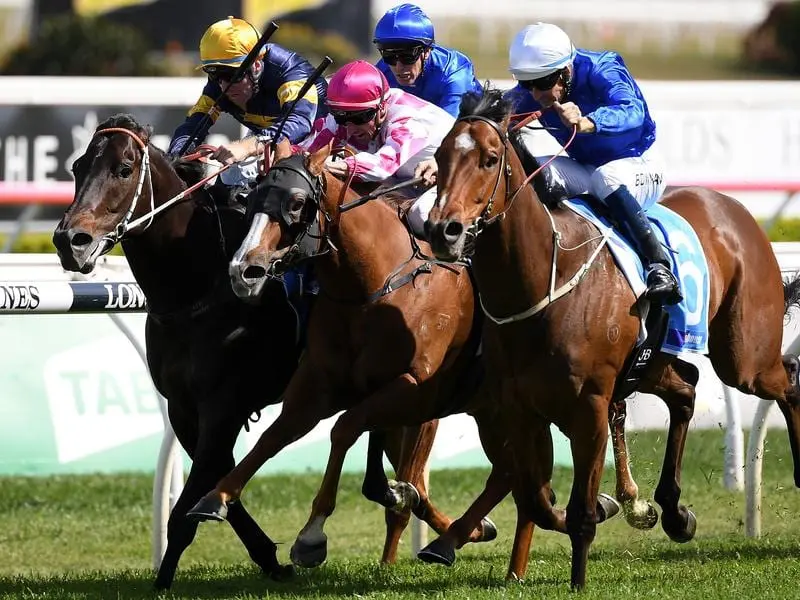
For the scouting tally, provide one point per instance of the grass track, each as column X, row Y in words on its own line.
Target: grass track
column 88, row 537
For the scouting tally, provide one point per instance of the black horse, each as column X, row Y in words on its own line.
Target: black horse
column 200, row 337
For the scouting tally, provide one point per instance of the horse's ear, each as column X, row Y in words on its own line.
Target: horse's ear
column 282, row 150
column 317, row 160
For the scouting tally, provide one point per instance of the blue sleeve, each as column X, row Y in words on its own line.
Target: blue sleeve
column 204, row 106
column 185, row 130
column 458, row 83
column 299, row 123
column 623, row 110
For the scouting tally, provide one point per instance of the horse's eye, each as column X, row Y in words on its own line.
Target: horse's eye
column 296, row 204
column 491, row 161
column 124, row 171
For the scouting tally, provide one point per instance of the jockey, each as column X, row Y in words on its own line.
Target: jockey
column 255, row 101
column 394, row 134
column 412, row 61
column 614, row 155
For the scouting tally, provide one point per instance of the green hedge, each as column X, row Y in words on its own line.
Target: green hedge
column 784, row 230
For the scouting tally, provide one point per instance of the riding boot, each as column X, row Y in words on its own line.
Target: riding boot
column 662, row 286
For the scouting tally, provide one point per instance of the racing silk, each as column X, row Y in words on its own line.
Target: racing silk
column 446, row 76
column 284, row 74
column 606, row 93
column 412, row 131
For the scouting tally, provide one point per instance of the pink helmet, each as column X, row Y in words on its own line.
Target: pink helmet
column 358, row 85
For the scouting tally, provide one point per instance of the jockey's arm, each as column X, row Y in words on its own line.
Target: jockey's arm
column 404, row 137
column 457, row 84
column 197, row 114
column 623, row 110
column 299, row 123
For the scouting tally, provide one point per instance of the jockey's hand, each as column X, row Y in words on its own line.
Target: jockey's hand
column 571, row 115
column 336, row 167
column 234, row 152
column 427, row 169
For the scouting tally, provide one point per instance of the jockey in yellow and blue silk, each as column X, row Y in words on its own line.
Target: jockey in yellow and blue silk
column 256, row 101
column 614, row 155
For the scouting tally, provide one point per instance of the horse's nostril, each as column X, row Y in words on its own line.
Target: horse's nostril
column 254, row 272
column 453, row 231
column 80, row 239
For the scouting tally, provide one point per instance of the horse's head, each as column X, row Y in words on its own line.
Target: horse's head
column 284, row 215
column 113, row 184
column 473, row 178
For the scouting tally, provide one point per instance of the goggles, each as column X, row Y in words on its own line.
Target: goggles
column 356, row 117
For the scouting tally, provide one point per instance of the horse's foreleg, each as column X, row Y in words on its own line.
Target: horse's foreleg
column 678, row 392
column 639, row 513
column 303, row 408
column 409, row 458
column 588, row 436
column 472, row 525
column 310, row 548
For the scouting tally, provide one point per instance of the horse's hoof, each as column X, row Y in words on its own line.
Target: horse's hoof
column 646, row 521
column 209, row 508
column 489, row 530
column 438, row 552
column 309, row 556
column 281, row 573
column 162, row 583
column 607, row 507
column 406, row 496
column 682, row 534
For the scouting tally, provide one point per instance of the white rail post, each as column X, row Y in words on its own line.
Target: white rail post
column 734, row 441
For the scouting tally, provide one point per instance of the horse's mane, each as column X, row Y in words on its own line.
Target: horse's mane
column 493, row 106
column 189, row 171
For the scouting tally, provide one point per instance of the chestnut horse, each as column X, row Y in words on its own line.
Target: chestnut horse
column 200, row 336
column 389, row 340
column 560, row 366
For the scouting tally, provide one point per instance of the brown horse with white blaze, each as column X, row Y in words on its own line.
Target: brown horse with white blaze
column 560, row 365
column 389, row 339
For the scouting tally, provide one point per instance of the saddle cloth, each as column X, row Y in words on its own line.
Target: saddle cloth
column 687, row 330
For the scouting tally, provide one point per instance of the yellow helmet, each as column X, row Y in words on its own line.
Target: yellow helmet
column 227, row 43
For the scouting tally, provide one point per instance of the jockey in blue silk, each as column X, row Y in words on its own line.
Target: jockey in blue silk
column 413, row 62
column 614, row 155
column 256, row 101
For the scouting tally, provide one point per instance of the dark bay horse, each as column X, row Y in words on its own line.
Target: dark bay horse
column 200, row 337
column 560, row 366
column 389, row 340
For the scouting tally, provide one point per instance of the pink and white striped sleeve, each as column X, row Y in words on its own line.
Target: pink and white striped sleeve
column 405, row 137
column 323, row 131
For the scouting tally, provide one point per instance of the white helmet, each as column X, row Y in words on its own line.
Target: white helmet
column 539, row 50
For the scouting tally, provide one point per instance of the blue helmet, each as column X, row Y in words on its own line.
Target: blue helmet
column 404, row 24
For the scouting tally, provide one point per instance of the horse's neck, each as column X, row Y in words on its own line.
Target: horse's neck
column 176, row 260
column 514, row 256
column 371, row 243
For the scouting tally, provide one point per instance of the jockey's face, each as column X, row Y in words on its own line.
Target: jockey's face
column 240, row 92
column 406, row 62
column 363, row 133
column 557, row 93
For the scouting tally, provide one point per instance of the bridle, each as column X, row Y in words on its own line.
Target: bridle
column 311, row 241
column 484, row 220
column 125, row 225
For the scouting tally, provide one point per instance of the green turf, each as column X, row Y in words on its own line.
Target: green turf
column 89, row 537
